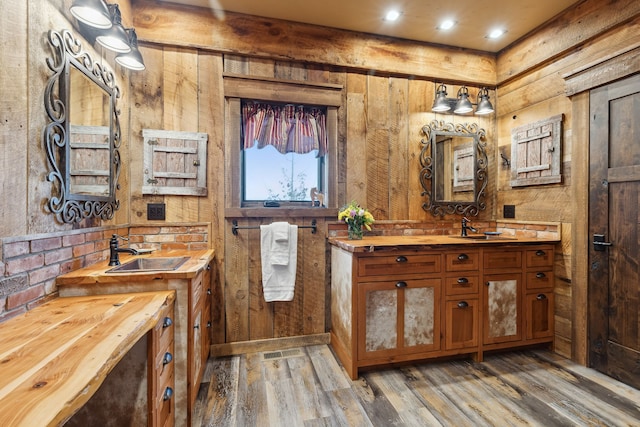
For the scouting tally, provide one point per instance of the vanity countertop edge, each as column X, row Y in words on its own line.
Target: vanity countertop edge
column 97, row 273
column 386, row 243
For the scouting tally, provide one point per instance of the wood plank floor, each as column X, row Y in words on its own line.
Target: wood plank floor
column 307, row 387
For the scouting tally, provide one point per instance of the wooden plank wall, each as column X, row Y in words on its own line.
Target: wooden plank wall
column 532, row 88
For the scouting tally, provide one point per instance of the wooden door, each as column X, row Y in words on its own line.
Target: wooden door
column 614, row 215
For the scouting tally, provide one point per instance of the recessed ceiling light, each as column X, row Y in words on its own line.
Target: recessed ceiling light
column 496, row 33
column 447, row 24
column 392, row 15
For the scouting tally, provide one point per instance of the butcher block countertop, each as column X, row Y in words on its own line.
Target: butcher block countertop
column 56, row 356
column 97, row 273
column 387, row 243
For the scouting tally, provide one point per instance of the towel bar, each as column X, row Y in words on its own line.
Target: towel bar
column 235, row 227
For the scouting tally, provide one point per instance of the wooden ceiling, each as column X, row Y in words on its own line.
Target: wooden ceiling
column 418, row 21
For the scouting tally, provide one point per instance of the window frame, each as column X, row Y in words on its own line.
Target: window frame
column 237, row 88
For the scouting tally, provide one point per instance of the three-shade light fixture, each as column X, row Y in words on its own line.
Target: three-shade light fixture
column 111, row 34
column 462, row 104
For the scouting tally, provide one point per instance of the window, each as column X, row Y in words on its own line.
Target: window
column 283, row 152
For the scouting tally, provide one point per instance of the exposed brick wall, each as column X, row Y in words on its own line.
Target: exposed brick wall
column 29, row 265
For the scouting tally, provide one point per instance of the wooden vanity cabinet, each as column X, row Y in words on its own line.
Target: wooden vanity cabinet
column 398, row 305
column 192, row 315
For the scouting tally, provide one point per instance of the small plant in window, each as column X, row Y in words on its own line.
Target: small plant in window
column 356, row 218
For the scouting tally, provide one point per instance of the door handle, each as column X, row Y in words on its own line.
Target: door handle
column 599, row 244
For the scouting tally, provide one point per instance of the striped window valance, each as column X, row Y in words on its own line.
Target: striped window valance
column 289, row 128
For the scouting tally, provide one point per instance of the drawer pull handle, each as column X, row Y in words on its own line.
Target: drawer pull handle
column 168, row 393
column 540, row 275
column 167, row 322
column 463, row 257
column 401, row 285
column 541, row 297
column 401, row 258
column 168, row 357
column 540, row 252
column 463, row 281
column 463, row 304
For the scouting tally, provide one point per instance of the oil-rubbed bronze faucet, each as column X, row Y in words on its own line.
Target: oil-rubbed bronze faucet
column 466, row 226
column 114, row 250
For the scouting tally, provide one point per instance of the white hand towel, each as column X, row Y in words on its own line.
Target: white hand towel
column 278, row 281
column 280, row 243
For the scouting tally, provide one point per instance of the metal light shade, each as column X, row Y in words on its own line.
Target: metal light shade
column 463, row 105
column 92, row 12
column 133, row 59
column 115, row 38
column 484, row 105
column 441, row 103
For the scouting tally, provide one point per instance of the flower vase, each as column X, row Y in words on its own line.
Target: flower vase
column 355, row 231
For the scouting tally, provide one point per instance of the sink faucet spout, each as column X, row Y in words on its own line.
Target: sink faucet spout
column 114, row 250
column 466, row 226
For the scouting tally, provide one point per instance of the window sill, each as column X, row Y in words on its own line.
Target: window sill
column 281, row 212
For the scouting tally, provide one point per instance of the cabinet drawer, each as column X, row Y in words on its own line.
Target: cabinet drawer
column 462, row 285
column 539, row 257
column 462, row 261
column 540, row 280
column 165, row 405
column 196, row 290
column 399, row 264
column 496, row 259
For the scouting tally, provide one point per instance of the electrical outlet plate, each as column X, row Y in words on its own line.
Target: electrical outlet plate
column 155, row 211
column 509, row 211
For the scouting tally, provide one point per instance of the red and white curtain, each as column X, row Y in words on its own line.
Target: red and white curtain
column 289, row 128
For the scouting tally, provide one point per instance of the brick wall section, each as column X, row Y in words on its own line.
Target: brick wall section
column 29, row 265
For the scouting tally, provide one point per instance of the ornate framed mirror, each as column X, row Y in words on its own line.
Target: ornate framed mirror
column 82, row 138
column 453, row 168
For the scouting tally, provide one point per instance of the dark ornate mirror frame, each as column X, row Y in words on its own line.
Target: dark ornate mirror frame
column 443, row 207
column 69, row 207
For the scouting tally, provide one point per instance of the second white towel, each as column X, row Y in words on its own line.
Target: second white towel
column 278, row 267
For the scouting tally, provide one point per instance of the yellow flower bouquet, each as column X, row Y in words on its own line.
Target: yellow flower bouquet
column 356, row 218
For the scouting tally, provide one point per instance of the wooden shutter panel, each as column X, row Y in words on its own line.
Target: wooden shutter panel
column 175, row 163
column 536, row 153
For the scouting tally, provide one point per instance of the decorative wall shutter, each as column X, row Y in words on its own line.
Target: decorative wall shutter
column 175, row 163
column 536, row 153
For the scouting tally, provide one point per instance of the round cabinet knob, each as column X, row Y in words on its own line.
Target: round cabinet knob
column 168, row 393
column 167, row 322
column 168, row 357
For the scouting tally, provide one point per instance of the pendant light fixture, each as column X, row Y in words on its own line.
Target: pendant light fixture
column 133, row 59
column 115, row 38
column 461, row 104
column 94, row 13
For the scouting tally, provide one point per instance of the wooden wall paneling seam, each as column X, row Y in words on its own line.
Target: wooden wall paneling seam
column 400, row 168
